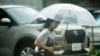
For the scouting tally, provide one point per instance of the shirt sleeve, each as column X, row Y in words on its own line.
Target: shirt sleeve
column 43, row 36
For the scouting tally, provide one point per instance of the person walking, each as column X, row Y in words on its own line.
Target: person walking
column 46, row 39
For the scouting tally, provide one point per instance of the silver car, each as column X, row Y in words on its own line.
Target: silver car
column 17, row 32
column 77, row 40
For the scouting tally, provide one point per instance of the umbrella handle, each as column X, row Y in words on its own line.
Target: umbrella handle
column 64, row 37
column 67, row 26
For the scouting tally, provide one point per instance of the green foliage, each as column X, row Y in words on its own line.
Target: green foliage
column 97, row 53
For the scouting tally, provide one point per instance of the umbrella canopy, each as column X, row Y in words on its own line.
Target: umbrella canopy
column 69, row 13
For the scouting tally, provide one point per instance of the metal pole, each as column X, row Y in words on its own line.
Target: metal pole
column 93, row 39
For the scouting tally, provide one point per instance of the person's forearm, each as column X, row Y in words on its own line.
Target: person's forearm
column 37, row 43
column 57, row 47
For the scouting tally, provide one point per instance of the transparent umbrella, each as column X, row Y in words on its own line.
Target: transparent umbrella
column 69, row 13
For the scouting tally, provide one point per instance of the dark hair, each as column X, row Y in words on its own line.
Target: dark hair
column 47, row 22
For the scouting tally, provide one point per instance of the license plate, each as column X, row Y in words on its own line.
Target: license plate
column 76, row 46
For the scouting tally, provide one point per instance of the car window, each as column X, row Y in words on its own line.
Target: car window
column 2, row 14
column 23, row 15
column 39, row 20
column 97, row 18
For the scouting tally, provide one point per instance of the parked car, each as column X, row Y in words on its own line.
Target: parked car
column 76, row 39
column 17, row 33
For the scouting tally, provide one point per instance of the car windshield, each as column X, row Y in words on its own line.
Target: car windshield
column 97, row 17
column 23, row 15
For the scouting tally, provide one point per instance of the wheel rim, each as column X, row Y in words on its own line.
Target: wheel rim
column 28, row 51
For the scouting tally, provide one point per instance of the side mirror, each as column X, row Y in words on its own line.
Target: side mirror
column 39, row 20
column 5, row 21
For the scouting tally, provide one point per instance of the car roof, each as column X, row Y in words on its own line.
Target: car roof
column 11, row 6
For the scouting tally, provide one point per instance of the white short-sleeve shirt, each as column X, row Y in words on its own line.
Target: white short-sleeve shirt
column 44, row 35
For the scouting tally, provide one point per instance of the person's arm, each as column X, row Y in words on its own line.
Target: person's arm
column 56, row 47
column 39, row 44
column 62, row 45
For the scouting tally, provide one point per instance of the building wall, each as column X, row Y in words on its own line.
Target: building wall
column 37, row 4
column 49, row 2
column 83, row 3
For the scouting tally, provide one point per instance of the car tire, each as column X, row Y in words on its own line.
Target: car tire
column 26, row 49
